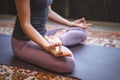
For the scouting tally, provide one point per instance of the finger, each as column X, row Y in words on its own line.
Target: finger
column 50, row 42
column 60, row 48
column 61, row 53
column 89, row 24
column 66, row 54
column 78, row 21
column 47, row 39
column 84, row 22
column 57, row 41
column 82, row 19
column 58, row 54
column 59, row 44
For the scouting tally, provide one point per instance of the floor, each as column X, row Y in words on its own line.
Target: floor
column 92, row 63
column 100, row 34
column 107, row 26
column 110, row 69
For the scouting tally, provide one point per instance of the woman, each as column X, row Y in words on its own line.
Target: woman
column 31, row 41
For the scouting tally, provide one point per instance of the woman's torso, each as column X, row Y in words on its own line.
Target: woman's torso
column 39, row 15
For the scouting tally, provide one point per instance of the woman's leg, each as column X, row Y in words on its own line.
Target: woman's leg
column 32, row 53
column 71, row 36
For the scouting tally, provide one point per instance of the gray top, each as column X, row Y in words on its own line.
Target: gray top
column 39, row 15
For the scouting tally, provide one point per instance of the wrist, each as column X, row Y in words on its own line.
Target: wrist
column 70, row 24
column 47, row 47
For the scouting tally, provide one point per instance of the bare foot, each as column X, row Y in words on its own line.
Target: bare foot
column 60, row 32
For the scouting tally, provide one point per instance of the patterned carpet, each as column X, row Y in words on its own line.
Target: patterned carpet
column 95, row 37
column 103, row 38
column 15, row 73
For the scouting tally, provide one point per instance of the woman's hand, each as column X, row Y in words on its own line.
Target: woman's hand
column 80, row 23
column 55, row 46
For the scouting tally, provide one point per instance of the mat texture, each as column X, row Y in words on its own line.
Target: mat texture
column 92, row 62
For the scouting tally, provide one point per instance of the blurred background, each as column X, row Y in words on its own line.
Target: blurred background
column 96, row 10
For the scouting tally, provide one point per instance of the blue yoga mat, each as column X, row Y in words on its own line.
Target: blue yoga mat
column 92, row 62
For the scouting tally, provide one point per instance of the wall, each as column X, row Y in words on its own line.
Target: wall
column 100, row 10
column 7, row 7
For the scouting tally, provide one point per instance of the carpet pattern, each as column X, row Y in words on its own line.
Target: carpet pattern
column 15, row 73
column 103, row 38
column 95, row 37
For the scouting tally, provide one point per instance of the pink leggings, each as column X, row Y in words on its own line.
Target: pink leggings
column 32, row 53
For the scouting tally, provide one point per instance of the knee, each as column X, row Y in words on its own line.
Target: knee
column 73, row 37
column 83, row 36
column 80, row 36
column 67, row 67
